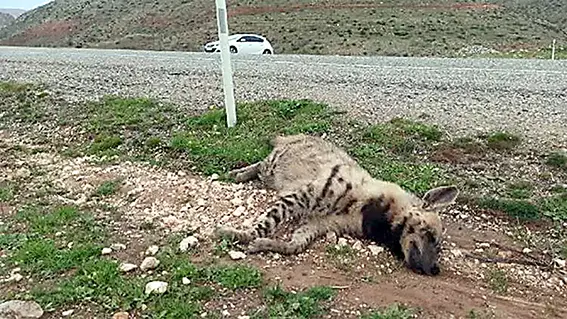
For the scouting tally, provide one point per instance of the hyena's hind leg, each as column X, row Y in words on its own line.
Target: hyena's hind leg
column 245, row 174
column 290, row 206
column 306, row 234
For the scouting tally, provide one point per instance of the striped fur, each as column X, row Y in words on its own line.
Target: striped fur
column 324, row 190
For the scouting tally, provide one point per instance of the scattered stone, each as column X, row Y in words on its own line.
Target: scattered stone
column 235, row 255
column 185, row 281
column 158, row 287
column 67, row 313
column 20, row 309
column 457, row 253
column 484, row 245
column 126, row 267
column 358, row 246
column 214, row 177
column 342, row 242
column 23, row 173
column 149, row 263
column 375, row 249
column 188, row 242
column 332, row 237
column 243, row 317
column 152, row 250
column 121, row 315
column 106, row 251
column 560, row 262
column 526, row 251
column 239, row 211
column 117, row 246
column 225, row 313
column 237, row 201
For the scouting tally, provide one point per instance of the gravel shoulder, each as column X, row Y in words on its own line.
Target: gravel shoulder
column 464, row 96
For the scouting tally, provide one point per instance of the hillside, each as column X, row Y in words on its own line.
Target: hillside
column 359, row 27
column 5, row 19
column 13, row 12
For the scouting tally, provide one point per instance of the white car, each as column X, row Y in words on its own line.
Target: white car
column 243, row 43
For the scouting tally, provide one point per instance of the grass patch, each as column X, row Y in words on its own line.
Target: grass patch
column 497, row 280
column 520, row 190
column 7, row 192
column 395, row 311
column 555, row 207
column 216, row 149
column 557, row 159
column 304, row 305
column 108, row 187
column 521, row 209
column 502, row 141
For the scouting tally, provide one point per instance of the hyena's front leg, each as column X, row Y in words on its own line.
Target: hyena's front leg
column 289, row 206
column 308, row 233
column 245, row 174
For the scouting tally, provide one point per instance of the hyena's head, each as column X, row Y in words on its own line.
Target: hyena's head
column 411, row 229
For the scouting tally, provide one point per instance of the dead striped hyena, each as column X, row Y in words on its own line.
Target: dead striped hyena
column 322, row 187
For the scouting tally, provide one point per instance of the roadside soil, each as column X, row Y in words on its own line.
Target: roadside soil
column 179, row 202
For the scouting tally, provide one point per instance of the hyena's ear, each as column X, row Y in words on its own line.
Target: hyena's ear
column 440, row 197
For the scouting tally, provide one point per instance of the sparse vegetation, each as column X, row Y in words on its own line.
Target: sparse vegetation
column 395, row 311
column 557, row 159
column 108, row 187
column 520, row 190
column 497, row 280
column 502, row 141
column 521, row 209
column 304, row 305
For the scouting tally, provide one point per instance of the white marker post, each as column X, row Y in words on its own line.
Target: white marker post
column 553, row 50
column 222, row 24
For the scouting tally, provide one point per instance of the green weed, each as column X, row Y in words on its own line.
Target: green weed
column 6, row 192
column 502, row 141
column 557, row 159
column 497, row 280
column 395, row 311
column 108, row 187
column 304, row 305
column 520, row 209
column 520, row 190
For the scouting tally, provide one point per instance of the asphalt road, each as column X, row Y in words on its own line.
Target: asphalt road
column 464, row 96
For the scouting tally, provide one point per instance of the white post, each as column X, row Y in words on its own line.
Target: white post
column 222, row 24
column 553, row 50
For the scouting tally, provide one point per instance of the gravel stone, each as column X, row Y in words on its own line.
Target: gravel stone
column 465, row 96
column 157, row 287
column 149, row 263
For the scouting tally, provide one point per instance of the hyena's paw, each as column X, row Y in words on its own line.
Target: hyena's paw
column 261, row 245
column 232, row 233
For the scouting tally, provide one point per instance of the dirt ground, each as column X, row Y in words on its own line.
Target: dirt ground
column 180, row 202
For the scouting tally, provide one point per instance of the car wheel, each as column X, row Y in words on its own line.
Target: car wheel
column 233, row 49
column 267, row 52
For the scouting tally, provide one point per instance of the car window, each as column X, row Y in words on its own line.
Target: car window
column 254, row 39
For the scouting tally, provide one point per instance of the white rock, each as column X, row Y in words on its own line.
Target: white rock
column 237, row 201
column 188, row 242
column 235, row 255
column 117, row 246
column 157, row 287
column 20, row 309
column 214, row 177
column 67, row 313
column 185, row 281
column 243, row 317
column 152, row 250
column 527, row 251
column 126, row 267
column 560, row 262
column 456, row 252
column 484, row 245
column 149, row 263
column 225, row 313
column 375, row 249
column 106, row 251
column 239, row 211
column 358, row 246
column 342, row 242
